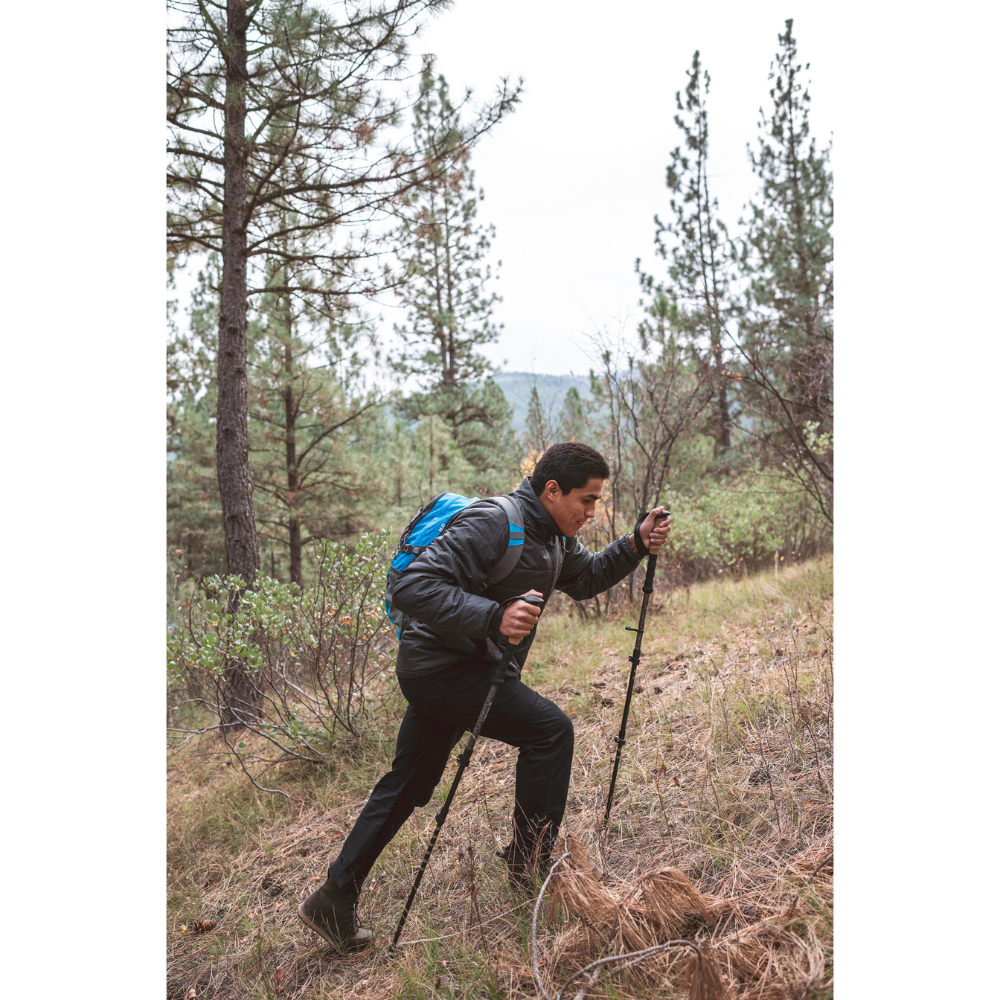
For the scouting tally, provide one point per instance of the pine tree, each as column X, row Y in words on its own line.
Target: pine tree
column 275, row 110
column 540, row 428
column 307, row 397
column 696, row 246
column 449, row 310
column 575, row 417
column 788, row 259
column 486, row 440
column 447, row 290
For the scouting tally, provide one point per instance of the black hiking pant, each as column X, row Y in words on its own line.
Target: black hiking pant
column 442, row 706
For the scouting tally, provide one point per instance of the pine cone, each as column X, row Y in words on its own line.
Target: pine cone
column 203, row 926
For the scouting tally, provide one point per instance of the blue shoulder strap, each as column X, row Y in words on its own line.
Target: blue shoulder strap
column 515, row 539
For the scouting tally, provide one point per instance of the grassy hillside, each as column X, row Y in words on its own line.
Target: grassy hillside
column 722, row 815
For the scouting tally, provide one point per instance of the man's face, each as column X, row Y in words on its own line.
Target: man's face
column 571, row 511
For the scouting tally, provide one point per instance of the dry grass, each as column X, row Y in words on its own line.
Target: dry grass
column 722, row 812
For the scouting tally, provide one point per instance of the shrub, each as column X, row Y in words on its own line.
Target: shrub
column 739, row 524
column 319, row 658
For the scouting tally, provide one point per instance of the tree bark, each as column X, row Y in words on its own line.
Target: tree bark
column 292, row 466
column 240, row 699
column 724, row 437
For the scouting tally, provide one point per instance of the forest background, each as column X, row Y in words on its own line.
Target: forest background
column 721, row 391
column 91, row 388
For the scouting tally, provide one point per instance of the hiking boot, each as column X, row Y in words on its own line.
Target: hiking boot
column 332, row 913
column 526, row 867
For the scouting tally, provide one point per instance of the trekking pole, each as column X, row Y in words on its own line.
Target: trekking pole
column 647, row 589
column 463, row 763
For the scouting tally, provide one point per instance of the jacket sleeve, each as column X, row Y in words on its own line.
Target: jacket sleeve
column 441, row 586
column 586, row 574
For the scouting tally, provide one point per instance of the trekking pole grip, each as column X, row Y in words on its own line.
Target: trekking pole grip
column 512, row 643
column 647, row 584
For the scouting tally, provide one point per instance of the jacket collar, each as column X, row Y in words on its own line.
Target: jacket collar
column 535, row 513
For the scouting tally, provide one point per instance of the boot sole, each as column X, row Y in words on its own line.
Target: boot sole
column 351, row 944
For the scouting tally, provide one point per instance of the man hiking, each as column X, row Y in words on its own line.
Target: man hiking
column 455, row 627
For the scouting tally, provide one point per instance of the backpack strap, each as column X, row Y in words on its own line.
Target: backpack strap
column 515, row 539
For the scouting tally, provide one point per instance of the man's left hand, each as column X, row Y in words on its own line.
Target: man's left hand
column 654, row 533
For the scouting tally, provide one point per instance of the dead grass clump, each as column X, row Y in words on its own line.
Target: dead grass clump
column 767, row 959
column 640, row 912
column 669, row 899
column 577, row 890
column 643, row 913
column 780, row 957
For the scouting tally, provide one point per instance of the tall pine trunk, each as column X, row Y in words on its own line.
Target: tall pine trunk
column 239, row 696
column 292, row 465
column 723, row 436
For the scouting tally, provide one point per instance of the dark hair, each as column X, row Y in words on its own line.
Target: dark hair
column 571, row 464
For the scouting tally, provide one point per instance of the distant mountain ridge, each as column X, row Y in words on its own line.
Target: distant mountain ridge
column 552, row 389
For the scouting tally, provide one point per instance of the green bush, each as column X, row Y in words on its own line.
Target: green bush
column 739, row 523
column 318, row 658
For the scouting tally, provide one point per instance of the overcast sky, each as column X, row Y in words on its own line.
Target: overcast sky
column 574, row 177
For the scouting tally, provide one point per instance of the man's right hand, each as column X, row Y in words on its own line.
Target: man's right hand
column 519, row 618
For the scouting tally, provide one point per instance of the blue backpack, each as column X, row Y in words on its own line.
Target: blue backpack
column 433, row 519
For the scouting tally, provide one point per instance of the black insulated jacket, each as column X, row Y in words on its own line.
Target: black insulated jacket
column 442, row 591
